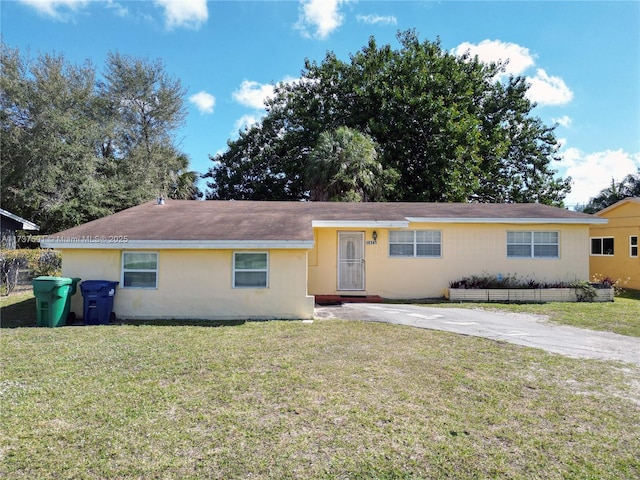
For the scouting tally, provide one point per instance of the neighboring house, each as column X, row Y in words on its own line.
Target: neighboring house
column 243, row 259
column 614, row 246
column 9, row 225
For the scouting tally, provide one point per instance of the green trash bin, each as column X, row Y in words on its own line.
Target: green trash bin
column 68, row 315
column 52, row 295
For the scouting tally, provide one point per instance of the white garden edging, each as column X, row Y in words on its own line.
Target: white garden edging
column 524, row 295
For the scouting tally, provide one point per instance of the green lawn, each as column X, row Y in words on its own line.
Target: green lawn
column 620, row 316
column 332, row 399
column 18, row 310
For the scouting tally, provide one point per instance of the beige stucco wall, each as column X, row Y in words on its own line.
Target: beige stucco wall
column 198, row 284
column 624, row 221
column 467, row 249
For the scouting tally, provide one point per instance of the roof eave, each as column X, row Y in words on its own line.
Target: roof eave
column 26, row 224
column 555, row 221
column 96, row 243
column 359, row 223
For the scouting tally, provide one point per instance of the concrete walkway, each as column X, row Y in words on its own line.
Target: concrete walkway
column 522, row 329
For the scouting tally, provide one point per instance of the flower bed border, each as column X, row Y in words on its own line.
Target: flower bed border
column 539, row 295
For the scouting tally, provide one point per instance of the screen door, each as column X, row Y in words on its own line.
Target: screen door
column 351, row 261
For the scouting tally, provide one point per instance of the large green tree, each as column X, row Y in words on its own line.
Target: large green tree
column 143, row 107
column 75, row 146
column 629, row 186
column 47, row 141
column 447, row 124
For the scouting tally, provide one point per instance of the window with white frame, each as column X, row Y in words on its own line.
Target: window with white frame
column 602, row 246
column 139, row 270
column 250, row 269
column 633, row 246
column 526, row 244
column 415, row 243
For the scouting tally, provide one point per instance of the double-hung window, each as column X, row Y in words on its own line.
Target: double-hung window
column 415, row 243
column 633, row 246
column 602, row 246
column 139, row 270
column 250, row 269
column 524, row 244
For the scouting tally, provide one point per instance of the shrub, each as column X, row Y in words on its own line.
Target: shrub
column 39, row 261
column 495, row 281
column 585, row 292
column 48, row 263
column 487, row 281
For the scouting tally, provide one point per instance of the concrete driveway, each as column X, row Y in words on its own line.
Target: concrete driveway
column 522, row 329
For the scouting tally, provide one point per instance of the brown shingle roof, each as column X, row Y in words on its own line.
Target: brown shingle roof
column 186, row 220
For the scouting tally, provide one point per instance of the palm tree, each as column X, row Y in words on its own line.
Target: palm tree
column 182, row 182
column 344, row 167
column 628, row 187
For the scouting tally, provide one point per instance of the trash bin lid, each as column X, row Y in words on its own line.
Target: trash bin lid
column 98, row 283
column 57, row 281
column 48, row 284
column 94, row 286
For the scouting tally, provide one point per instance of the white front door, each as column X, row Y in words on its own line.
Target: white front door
column 350, row 260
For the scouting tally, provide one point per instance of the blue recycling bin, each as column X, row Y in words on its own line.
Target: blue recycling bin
column 98, row 301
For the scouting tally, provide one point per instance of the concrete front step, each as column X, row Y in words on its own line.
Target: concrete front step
column 340, row 299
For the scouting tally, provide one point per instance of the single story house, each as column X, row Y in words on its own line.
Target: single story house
column 248, row 259
column 10, row 223
column 614, row 245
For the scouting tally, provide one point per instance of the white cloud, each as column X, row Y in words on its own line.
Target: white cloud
column 245, row 121
column 57, row 9
column 253, row 94
column 322, row 16
column 178, row 13
column 184, row 13
column 374, row 19
column 593, row 172
column 544, row 89
column 487, row 51
column 203, row 101
column 564, row 121
column 548, row 90
column 119, row 9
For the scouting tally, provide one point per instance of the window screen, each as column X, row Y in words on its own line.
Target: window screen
column 250, row 270
column 140, row 270
column 415, row 243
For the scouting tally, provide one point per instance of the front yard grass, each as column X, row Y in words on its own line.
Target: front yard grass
column 18, row 309
column 332, row 399
column 620, row 316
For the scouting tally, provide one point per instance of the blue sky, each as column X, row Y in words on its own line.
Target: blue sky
column 581, row 58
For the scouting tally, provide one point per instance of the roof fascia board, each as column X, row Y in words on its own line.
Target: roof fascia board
column 560, row 221
column 26, row 224
column 359, row 223
column 97, row 243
